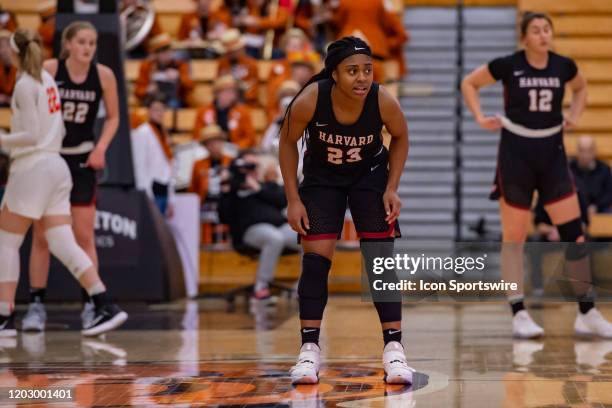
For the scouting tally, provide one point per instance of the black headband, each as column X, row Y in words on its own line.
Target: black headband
column 334, row 59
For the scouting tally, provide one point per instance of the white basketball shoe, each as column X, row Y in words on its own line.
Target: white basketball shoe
column 523, row 326
column 306, row 370
column 397, row 370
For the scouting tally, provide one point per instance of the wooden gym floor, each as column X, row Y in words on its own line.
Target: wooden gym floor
column 197, row 354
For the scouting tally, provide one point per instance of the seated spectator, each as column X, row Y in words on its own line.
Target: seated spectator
column 592, row 177
column 226, row 111
column 312, row 17
column 286, row 92
column 142, row 50
column 262, row 16
column 208, row 172
column 46, row 30
column 253, row 208
column 382, row 29
column 206, row 22
column 8, row 71
column 163, row 73
column 237, row 63
column 8, row 21
column 293, row 41
column 302, row 66
column 153, row 158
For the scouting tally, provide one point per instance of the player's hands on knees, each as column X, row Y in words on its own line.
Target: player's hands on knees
column 96, row 159
column 491, row 123
column 392, row 204
column 298, row 217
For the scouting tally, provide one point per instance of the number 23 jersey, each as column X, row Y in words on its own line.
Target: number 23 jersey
column 337, row 153
column 80, row 103
column 533, row 97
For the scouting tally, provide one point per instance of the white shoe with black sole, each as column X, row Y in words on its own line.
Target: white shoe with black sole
column 106, row 318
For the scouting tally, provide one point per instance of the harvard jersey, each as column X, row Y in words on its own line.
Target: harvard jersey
column 80, row 103
column 533, row 97
column 339, row 150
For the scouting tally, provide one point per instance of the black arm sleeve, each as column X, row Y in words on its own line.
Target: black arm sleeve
column 501, row 68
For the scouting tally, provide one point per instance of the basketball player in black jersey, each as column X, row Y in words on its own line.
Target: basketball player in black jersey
column 532, row 157
column 341, row 112
column 82, row 84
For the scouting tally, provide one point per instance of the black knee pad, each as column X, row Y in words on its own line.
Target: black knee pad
column 388, row 303
column 389, row 311
column 570, row 232
column 312, row 287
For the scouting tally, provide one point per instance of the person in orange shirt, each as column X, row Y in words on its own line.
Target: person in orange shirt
column 7, row 20
column 46, row 30
column 143, row 49
column 226, row 111
column 374, row 21
column 242, row 67
column 262, row 17
column 302, row 66
column 206, row 22
column 8, row 71
column 163, row 72
column 293, row 41
column 208, row 172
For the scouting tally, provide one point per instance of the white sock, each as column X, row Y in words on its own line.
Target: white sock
column 96, row 289
column 5, row 308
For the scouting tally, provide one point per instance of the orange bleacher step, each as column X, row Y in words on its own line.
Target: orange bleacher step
column 566, row 6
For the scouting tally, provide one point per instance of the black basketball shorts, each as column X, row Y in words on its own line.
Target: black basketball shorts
column 326, row 206
column 84, row 180
column 528, row 164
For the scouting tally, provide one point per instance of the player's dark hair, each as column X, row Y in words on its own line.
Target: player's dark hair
column 529, row 16
column 337, row 51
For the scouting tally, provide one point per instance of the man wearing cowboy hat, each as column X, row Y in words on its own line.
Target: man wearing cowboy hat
column 236, row 62
column 227, row 112
column 207, row 172
column 163, row 72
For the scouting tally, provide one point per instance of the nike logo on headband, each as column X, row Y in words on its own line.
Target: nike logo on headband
column 359, row 49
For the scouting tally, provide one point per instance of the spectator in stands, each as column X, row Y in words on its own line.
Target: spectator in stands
column 302, row 66
column 263, row 15
column 7, row 20
column 8, row 71
column 208, row 172
column 163, row 73
column 207, row 22
column 286, row 92
column 227, row 111
column 253, row 208
column 592, row 177
column 46, row 30
column 383, row 30
column 237, row 63
column 312, row 18
column 153, row 158
column 293, row 41
column 143, row 49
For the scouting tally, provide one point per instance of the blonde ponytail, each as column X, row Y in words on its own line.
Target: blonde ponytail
column 28, row 46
